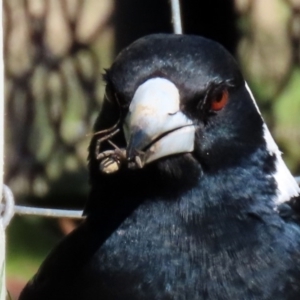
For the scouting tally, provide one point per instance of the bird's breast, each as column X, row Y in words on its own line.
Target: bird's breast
column 159, row 251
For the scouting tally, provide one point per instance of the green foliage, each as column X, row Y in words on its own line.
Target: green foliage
column 29, row 240
column 287, row 120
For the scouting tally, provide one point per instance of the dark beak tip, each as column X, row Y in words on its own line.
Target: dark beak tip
column 137, row 142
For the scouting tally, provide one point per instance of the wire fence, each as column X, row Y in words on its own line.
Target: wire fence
column 8, row 208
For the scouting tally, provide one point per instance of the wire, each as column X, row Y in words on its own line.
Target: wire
column 48, row 212
column 37, row 211
column 8, row 209
column 176, row 16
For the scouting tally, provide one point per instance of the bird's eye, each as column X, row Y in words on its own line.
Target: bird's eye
column 219, row 100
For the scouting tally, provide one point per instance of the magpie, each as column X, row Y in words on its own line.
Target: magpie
column 190, row 198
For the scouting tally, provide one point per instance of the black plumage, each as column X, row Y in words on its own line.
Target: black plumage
column 218, row 221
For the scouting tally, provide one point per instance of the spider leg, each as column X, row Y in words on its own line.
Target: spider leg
column 101, row 140
column 108, row 129
column 108, row 136
column 105, row 154
column 120, row 152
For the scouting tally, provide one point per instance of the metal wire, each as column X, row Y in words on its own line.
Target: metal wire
column 48, row 212
column 8, row 209
column 176, row 16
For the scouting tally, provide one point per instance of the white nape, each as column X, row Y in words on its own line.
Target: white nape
column 287, row 186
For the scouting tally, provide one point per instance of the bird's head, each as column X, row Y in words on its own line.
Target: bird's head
column 175, row 105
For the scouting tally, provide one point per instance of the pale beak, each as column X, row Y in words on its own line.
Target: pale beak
column 154, row 126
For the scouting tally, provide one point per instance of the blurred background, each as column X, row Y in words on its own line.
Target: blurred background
column 55, row 55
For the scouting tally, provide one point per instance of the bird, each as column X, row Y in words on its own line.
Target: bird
column 189, row 195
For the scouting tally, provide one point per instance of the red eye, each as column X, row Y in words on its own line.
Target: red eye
column 220, row 100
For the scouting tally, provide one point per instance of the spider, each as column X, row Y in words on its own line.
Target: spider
column 111, row 160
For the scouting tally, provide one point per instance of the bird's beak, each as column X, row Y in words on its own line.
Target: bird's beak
column 154, row 126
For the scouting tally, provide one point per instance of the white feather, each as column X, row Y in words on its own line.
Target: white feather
column 287, row 186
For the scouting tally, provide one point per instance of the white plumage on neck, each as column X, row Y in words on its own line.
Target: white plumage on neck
column 287, row 186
